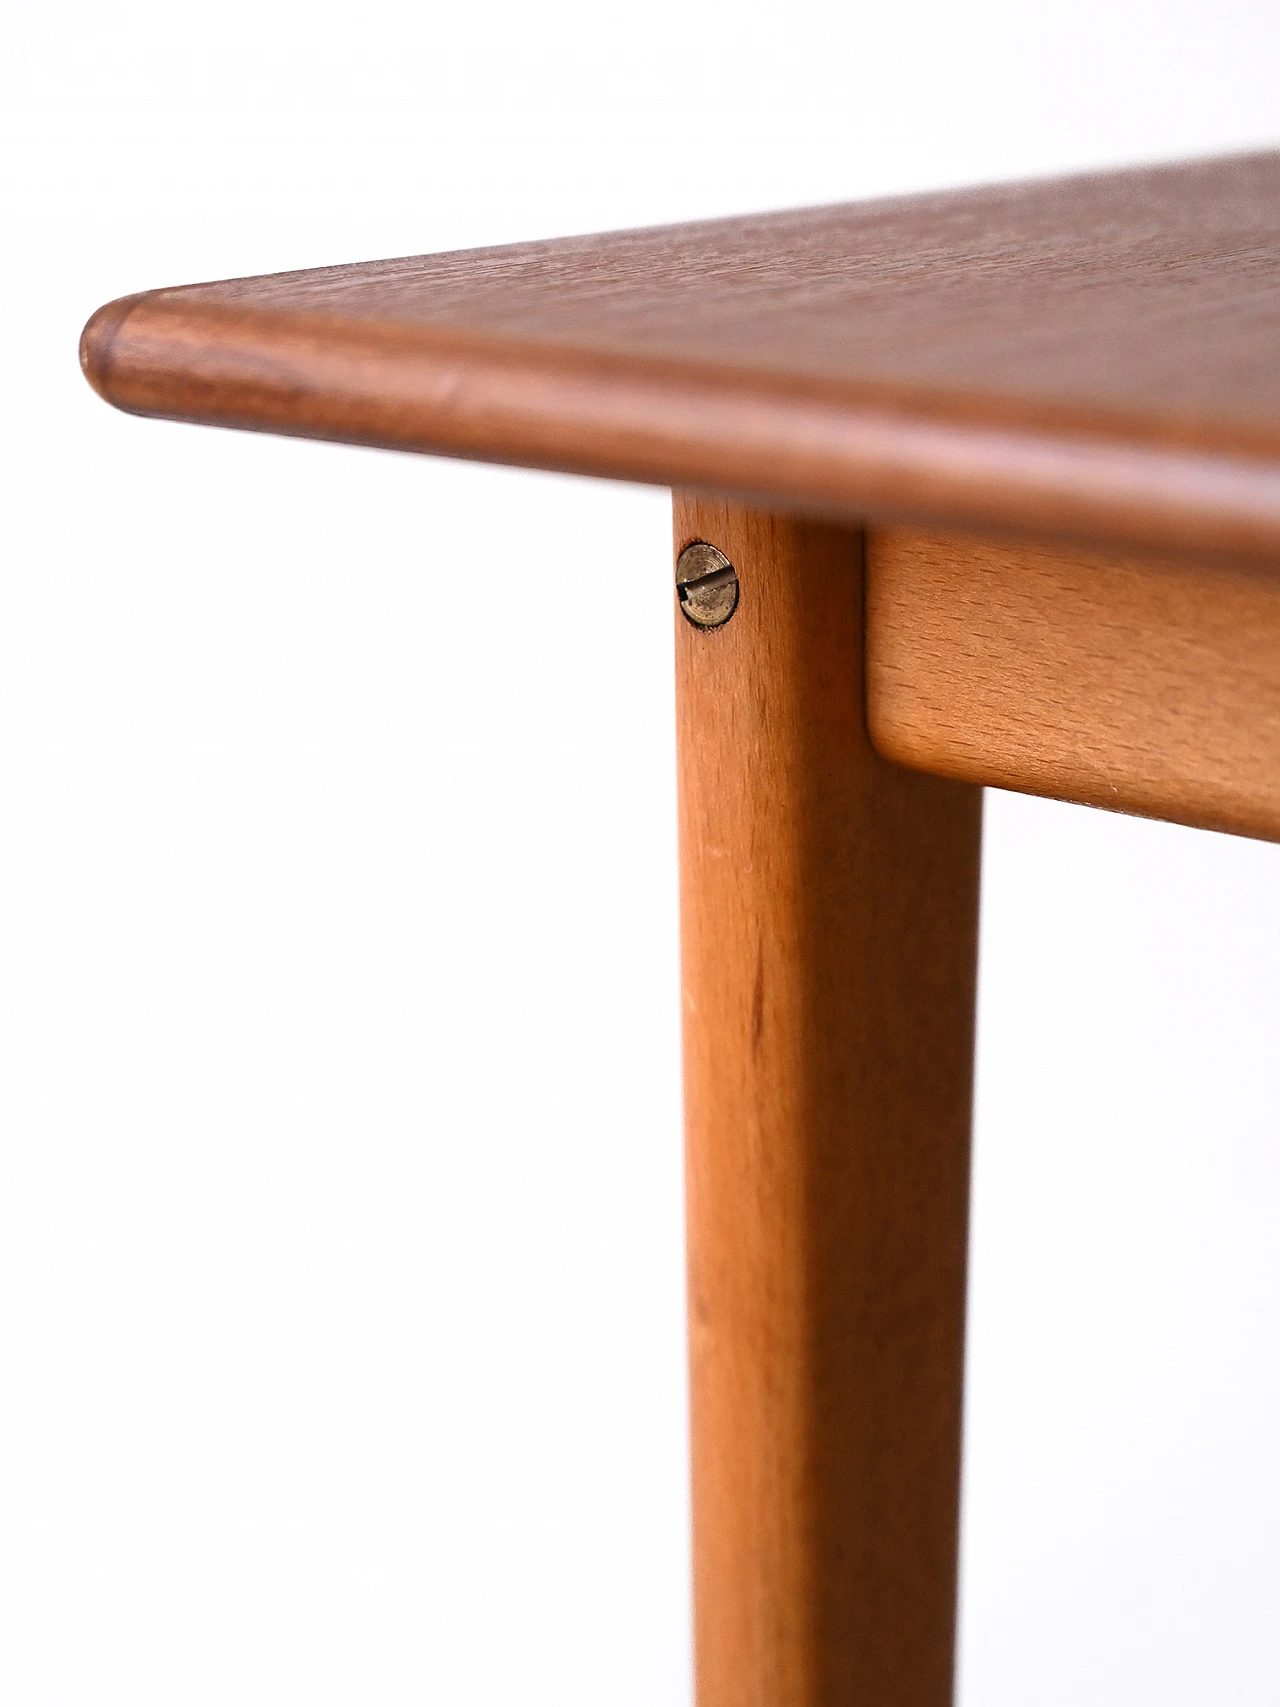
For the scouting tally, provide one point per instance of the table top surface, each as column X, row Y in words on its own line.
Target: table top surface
column 1091, row 357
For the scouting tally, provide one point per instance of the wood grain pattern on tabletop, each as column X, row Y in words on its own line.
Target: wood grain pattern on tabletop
column 1087, row 358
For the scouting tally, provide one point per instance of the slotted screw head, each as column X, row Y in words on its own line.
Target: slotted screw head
column 707, row 584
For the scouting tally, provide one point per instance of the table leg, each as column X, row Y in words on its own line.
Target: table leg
column 829, row 907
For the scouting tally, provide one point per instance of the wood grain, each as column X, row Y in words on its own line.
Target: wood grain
column 1086, row 358
column 829, row 923
column 1142, row 685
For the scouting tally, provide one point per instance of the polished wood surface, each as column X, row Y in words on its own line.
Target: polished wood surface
column 1135, row 683
column 1087, row 358
column 829, row 926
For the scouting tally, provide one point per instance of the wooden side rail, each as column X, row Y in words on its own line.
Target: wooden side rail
column 1145, row 684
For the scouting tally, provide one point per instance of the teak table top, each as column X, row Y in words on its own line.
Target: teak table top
column 1090, row 357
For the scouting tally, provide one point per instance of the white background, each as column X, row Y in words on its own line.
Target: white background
column 341, row 1347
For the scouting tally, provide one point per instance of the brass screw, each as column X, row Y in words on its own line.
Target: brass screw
column 707, row 584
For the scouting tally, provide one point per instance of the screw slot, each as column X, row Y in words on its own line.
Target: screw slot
column 707, row 585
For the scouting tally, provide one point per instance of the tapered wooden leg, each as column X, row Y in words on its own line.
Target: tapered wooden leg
column 829, row 929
